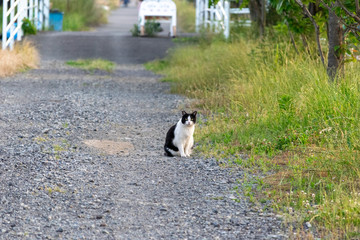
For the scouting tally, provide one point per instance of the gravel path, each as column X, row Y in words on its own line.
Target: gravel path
column 81, row 158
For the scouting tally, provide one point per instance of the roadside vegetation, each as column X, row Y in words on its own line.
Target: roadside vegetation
column 81, row 15
column 274, row 102
column 92, row 65
column 23, row 57
column 185, row 16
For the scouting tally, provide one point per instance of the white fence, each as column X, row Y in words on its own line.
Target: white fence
column 14, row 11
column 216, row 18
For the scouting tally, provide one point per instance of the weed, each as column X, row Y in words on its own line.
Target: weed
column 50, row 190
column 135, row 31
column 277, row 106
column 39, row 139
column 93, row 64
column 80, row 15
column 28, row 27
column 23, row 57
column 152, row 27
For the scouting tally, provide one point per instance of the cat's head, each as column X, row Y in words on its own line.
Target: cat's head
column 188, row 119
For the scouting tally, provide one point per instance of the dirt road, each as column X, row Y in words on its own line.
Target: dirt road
column 81, row 153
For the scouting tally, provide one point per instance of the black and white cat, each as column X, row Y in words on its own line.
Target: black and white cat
column 179, row 138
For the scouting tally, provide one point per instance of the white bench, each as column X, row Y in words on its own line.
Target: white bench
column 158, row 10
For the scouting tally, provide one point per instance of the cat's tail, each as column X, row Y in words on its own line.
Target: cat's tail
column 167, row 152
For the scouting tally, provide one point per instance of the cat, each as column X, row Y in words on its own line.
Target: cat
column 179, row 138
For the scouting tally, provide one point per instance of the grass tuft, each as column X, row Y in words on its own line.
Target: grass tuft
column 93, row 64
column 23, row 57
column 278, row 107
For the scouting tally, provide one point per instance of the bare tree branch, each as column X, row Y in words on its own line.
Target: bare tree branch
column 356, row 18
column 317, row 31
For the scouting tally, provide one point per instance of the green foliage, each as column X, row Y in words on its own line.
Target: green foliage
column 185, row 16
column 135, row 31
column 264, row 99
column 80, row 14
column 293, row 17
column 93, row 64
column 28, row 27
column 152, row 27
column 74, row 22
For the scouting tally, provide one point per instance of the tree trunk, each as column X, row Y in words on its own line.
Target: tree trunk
column 336, row 55
column 258, row 14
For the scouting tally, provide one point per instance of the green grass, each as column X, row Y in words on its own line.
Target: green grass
column 263, row 99
column 80, row 15
column 93, row 64
column 185, row 15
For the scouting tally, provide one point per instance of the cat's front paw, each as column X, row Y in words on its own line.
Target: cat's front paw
column 183, row 155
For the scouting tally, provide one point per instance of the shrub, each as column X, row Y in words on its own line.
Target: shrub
column 80, row 14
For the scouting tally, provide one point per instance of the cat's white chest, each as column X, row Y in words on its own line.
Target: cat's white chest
column 179, row 138
column 183, row 134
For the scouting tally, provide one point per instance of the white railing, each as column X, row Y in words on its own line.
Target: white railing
column 14, row 11
column 159, row 9
column 216, row 18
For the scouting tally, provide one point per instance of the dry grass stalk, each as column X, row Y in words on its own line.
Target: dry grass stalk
column 23, row 57
column 109, row 3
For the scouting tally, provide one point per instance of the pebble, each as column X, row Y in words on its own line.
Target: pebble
column 50, row 178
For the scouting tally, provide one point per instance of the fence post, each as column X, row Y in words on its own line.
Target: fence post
column 36, row 12
column 46, row 11
column 227, row 19
column 21, row 6
column 40, row 21
column 212, row 16
column 31, row 10
column 206, row 13
column 4, row 33
column 12, row 36
column 197, row 15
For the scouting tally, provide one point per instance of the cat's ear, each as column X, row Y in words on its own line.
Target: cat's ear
column 183, row 113
column 194, row 113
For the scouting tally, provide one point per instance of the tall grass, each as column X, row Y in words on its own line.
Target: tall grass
column 23, row 57
column 278, row 106
column 80, row 15
column 185, row 16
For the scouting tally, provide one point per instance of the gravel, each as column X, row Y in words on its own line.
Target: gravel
column 54, row 186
